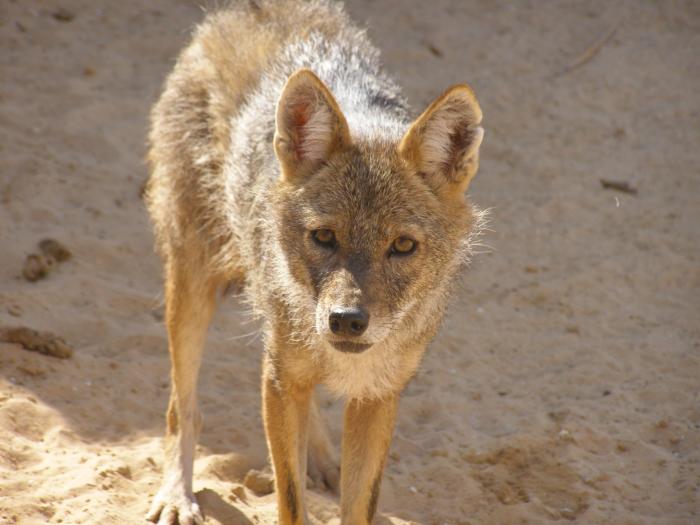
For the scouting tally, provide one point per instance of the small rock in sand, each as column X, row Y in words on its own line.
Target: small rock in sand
column 43, row 342
column 14, row 310
column 55, row 250
column 63, row 15
column 238, row 494
column 37, row 267
column 260, row 482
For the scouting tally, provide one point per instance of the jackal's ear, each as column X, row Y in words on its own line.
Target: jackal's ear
column 309, row 126
column 443, row 143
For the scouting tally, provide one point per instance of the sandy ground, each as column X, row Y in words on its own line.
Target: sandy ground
column 565, row 384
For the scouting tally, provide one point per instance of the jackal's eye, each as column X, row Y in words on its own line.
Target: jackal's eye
column 324, row 237
column 402, row 246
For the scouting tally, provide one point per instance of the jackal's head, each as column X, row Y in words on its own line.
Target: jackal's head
column 373, row 229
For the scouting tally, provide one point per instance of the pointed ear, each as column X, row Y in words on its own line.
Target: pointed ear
column 309, row 125
column 443, row 143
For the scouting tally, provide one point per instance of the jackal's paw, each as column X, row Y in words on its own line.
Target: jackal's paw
column 323, row 471
column 173, row 506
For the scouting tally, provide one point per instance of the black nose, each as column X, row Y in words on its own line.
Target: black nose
column 350, row 322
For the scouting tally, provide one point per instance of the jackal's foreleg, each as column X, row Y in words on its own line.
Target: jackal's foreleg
column 366, row 438
column 286, row 413
column 190, row 303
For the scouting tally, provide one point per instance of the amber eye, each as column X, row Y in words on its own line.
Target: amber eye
column 403, row 246
column 323, row 237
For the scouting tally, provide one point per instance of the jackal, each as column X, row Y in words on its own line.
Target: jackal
column 284, row 160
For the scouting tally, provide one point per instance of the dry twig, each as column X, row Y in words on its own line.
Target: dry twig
column 622, row 186
column 591, row 51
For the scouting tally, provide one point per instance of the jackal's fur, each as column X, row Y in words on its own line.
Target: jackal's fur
column 283, row 159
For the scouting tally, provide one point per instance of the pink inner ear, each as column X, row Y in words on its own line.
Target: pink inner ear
column 299, row 116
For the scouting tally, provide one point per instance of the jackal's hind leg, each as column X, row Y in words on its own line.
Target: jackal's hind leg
column 323, row 464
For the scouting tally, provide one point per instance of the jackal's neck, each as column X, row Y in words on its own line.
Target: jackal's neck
column 349, row 65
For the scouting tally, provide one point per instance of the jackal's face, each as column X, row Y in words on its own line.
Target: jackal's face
column 372, row 229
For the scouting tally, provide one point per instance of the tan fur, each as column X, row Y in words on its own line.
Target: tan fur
column 277, row 123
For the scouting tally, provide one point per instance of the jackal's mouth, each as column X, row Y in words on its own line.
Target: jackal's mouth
column 349, row 347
